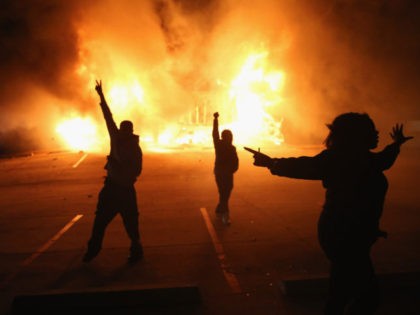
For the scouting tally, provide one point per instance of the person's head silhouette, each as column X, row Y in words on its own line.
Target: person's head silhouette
column 126, row 128
column 227, row 136
column 352, row 131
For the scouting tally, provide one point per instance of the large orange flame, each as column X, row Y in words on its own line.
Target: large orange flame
column 252, row 96
column 78, row 133
column 254, row 90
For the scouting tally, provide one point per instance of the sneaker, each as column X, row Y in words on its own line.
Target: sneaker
column 226, row 219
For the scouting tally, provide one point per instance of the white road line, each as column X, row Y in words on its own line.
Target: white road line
column 80, row 160
column 230, row 277
column 41, row 250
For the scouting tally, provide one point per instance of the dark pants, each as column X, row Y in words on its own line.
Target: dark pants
column 115, row 199
column 353, row 286
column 224, row 183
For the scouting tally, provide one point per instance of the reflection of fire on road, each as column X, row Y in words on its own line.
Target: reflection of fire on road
column 246, row 108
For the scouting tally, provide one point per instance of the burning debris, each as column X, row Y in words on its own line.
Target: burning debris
column 168, row 64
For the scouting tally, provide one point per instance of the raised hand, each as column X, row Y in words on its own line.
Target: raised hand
column 98, row 87
column 216, row 115
column 397, row 134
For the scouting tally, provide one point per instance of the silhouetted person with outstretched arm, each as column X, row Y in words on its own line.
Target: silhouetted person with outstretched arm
column 118, row 195
column 225, row 165
column 355, row 192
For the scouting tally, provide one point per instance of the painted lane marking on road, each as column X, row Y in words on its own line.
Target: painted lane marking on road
column 230, row 277
column 80, row 160
column 41, row 250
column 51, row 241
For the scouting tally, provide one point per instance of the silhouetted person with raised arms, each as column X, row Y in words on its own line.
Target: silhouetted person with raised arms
column 355, row 192
column 118, row 195
column 225, row 165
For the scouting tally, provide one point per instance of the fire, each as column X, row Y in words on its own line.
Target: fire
column 253, row 92
column 184, row 136
column 250, row 99
column 124, row 98
column 78, row 133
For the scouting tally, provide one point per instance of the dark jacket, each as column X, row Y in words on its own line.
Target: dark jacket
column 226, row 161
column 355, row 187
column 125, row 159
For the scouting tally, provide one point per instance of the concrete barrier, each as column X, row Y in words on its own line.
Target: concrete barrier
column 318, row 285
column 109, row 301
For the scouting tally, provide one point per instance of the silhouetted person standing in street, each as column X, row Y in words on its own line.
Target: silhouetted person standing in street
column 118, row 195
column 226, row 164
column 355, row 192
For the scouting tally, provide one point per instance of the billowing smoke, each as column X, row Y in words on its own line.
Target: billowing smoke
column 357, row 56
column 342, row 55
column 38, row 56
column 39, row 45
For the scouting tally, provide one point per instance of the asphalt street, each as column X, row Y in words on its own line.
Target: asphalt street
column 47, row 207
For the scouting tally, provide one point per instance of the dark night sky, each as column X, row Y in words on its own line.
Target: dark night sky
column 342, row 55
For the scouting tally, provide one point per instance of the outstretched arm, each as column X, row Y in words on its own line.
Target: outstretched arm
column 303, row 167
column 110, row 123
column 215, row 133
column 263, row 160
